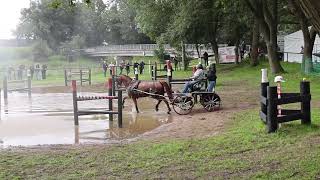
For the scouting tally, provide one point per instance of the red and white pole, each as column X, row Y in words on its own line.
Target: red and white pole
column 279, row 97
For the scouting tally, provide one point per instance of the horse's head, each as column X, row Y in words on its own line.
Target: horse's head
column 123, row 80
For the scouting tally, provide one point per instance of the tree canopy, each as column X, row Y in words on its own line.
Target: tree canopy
column 61, row 23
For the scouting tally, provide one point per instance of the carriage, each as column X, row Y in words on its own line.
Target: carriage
column 183, row 103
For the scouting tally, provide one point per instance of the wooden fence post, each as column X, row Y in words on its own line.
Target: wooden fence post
column 119, row 109
column 89, row 76
column 81, row 77
column 5, row 87
column 75, row 102
column 110, row 100
column 65, row 78
column 29, row 85
column 155, row 71
column 113, row 85
column 264, row 90
column 152, row 72
column 272, row 122
column 305, row 104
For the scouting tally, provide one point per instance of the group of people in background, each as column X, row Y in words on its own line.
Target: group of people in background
column 21, row 72
column 123, row 65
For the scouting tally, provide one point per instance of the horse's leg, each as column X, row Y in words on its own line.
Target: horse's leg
column 157, row 106
column 169, row 109
column 135, row 103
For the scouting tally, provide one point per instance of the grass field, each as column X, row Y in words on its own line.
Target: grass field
column 244, row 150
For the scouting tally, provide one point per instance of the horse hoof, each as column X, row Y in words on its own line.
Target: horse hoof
column 157, row 110
column 168, row 112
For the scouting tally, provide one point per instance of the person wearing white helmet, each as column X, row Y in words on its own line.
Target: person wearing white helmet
column 197, row 76
column 279, row 79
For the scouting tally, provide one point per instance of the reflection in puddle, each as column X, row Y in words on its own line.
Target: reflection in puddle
column 48, row 119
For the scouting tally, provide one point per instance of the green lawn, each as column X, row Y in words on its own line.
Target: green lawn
column 244, row 150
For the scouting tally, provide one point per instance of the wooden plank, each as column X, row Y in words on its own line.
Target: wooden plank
column 263, row 117
column 289, row 111
column 290, row 117
column 286, row 95
column 263, row 100
column 288, row 100
column 83, row 113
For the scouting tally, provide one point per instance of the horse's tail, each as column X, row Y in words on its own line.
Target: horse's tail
column 167, row 89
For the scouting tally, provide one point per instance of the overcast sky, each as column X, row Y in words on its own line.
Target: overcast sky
column 10, row 14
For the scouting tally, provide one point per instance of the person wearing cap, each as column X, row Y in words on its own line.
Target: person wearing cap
column 197, row 76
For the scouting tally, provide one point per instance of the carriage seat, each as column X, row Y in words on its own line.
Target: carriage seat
column 199, row 86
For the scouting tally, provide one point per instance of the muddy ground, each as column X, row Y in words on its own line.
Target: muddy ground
column 200, row 123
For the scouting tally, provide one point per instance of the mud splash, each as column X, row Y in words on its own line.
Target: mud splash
column 47, row 119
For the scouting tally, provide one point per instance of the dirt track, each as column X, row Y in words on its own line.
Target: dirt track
column 201, row 123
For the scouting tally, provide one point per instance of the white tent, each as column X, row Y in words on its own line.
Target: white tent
column 292, row 47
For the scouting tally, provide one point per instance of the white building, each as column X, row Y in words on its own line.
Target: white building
column 292, row 47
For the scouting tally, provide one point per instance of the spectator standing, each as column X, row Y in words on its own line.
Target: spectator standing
column 122, row 65
column 175, row 61
column 31, row 68
column 20, row 71
column 135, row 66
column 104, row 67
column 128, row 68
column 44, row 68
column 111, row 67
column 212, row 77
column 37, row 72
column 205, row 58
column 141, row 67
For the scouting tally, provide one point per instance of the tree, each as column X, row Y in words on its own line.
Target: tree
column 309, row 36
column 311, row 9
column 266, row 13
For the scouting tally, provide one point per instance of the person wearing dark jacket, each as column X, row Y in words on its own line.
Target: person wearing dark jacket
column 128, row 68
column 212, row 77
column 141, row 67
column 205, row 58
column 135, row 67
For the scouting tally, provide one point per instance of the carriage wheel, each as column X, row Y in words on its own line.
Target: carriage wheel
column 211, row 102
column 182, row 105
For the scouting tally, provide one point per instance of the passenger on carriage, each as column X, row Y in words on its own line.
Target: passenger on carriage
column 197, row 76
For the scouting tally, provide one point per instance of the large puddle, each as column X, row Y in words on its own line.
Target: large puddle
column 47, row 119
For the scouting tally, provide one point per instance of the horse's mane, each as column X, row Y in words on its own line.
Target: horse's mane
column 126, row 76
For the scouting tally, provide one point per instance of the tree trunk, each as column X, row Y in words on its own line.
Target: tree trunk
column 237, row 51
column 273, row 58
column 215, row 49
column 184, row 64
column 255, row 43
column 307, row 52
column 267, row 16
column 308, row 36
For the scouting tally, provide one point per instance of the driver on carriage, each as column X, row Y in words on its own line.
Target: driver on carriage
column 197, row 76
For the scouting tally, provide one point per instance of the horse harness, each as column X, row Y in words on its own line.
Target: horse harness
column 134, row 89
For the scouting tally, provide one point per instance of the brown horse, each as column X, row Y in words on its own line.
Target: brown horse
column 139, row 89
